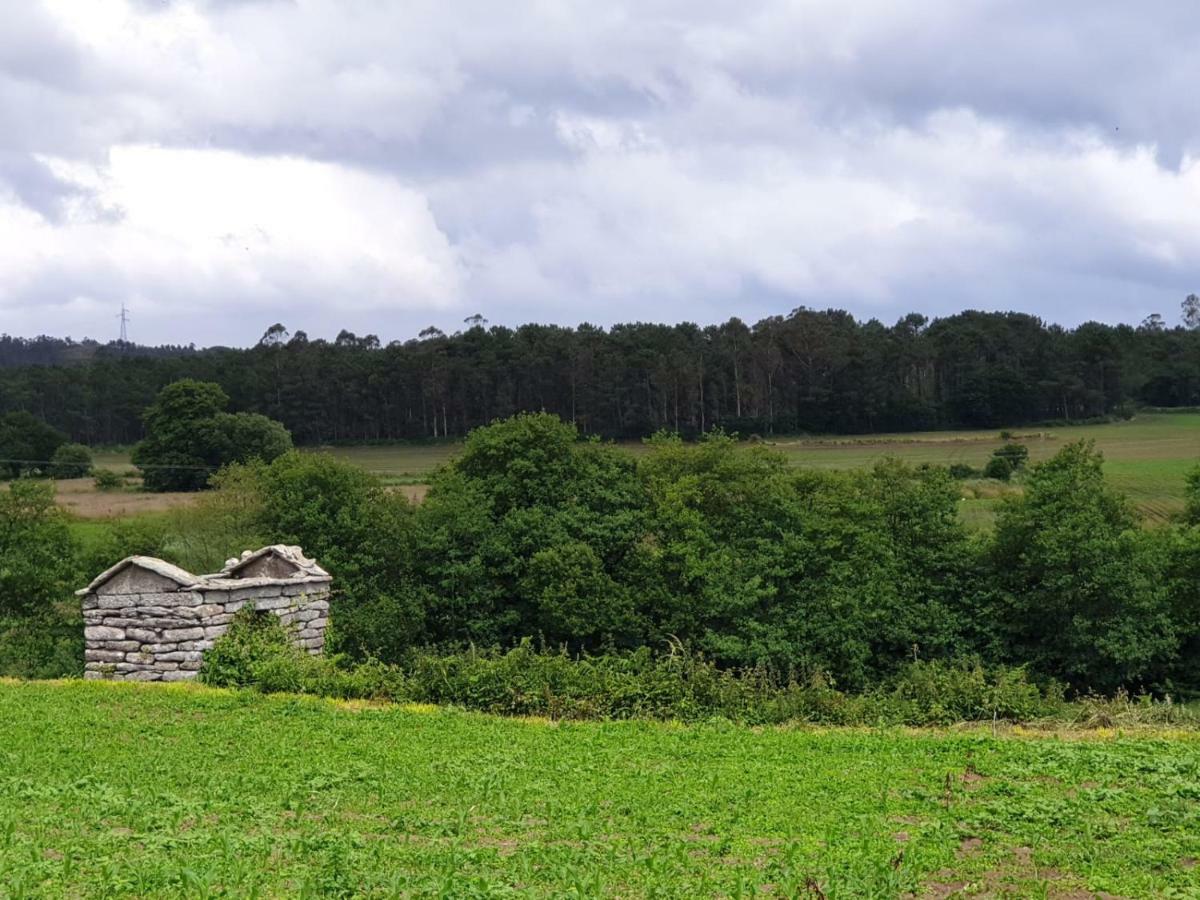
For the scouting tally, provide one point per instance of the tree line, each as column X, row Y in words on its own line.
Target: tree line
column 809, row 371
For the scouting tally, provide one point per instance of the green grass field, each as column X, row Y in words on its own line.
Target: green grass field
column 111, row 790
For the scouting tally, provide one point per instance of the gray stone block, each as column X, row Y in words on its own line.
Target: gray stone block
column 124, row 646
column 146, row 675
column 183, row 634
column 178, row 676
column 103, row 633
column 215, row 631
column 181, row 656
column 103, row 656
column 145, row 635
column 270, row 603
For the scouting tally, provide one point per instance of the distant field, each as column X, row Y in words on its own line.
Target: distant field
column 159, row 791
column 1146, row 458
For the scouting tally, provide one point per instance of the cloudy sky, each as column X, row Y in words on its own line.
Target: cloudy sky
column 219, row 165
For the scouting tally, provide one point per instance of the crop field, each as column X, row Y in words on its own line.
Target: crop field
column 165, row 791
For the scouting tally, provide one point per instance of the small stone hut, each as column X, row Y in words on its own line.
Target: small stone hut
column 147, row 620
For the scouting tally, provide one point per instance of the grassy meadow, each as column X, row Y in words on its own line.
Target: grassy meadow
column 166, row 791
column 1146, row 457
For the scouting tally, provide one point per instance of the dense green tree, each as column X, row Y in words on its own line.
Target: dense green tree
column 190, row 437
column 528, row 532
column 27, row 444
column 1080, row 593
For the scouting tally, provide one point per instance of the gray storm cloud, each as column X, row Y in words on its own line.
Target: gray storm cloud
column 383, row 166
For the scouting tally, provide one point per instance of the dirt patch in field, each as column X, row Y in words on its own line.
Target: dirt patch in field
column 1011, row 878
column 81, row 497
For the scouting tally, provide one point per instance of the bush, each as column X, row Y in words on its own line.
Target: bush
column 1016, row 454
column 108, row 480
column 962, row 471
column 71, row 461
column 528, row 682
column 48, row 644
column 257, row 652
column 998, row 468
column 37, row 554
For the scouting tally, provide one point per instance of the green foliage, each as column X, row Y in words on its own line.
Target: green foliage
column 36, row 550
column 27, row 444
column 524, row 681
column 45, row 644
column 1191, row 512
column 1016, row 454
column 998, row 468
column 108, row 480
column 530, row 531
column 71, row 461
column 40, row 629
column 1080, row 589
column 256, row 652
column 534, row 533
column 189, row 437
column 962, row 471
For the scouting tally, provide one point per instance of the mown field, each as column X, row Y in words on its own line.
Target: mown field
column 113, row 790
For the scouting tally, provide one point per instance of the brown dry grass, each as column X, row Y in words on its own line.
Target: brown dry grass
column 80, row 497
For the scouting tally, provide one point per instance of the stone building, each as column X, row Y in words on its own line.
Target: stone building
column 147, row 620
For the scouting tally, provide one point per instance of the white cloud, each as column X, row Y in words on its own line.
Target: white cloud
column 190, row 230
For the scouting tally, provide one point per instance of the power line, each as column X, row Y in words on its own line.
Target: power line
column 50, row 462
column 124, row 317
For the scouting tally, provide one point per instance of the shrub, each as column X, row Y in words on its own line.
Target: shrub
column 257, row 652
column 1016, row 454
column 37, row 554
column 71, row 461
column 108, row 480
column 48, row 644
column 961, row 471
column 998, row 468
column 525, row 681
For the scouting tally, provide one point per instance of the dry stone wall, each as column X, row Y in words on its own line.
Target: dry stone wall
column 147, row 620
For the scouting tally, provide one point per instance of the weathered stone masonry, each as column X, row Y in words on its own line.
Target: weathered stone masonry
column 147, row 620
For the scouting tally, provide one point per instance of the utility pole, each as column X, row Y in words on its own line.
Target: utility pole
column 124, row 317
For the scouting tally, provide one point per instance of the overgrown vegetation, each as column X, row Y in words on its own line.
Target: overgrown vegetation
column 752, row 569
